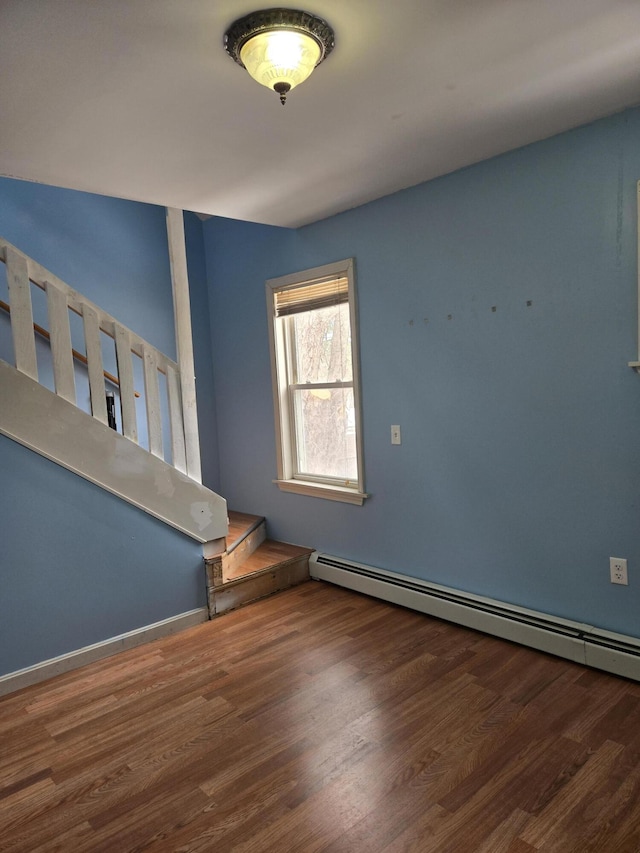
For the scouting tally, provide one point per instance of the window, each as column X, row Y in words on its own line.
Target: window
column 314, row 361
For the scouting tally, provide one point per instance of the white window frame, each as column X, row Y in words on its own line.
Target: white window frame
column 287, row 479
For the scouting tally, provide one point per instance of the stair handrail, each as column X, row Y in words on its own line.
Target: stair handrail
column 61, row 298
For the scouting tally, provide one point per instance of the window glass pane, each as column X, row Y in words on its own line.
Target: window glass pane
column 322, row 340
column 326, row 433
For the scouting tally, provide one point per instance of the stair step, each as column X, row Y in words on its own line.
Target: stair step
column 267, row 556
column 261, row 582
column 241, row 525
column 246, row 534
column 252, row 566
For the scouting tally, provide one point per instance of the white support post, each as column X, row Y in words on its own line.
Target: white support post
column 184, row 341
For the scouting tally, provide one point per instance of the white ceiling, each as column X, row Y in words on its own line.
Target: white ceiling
column 137, row 98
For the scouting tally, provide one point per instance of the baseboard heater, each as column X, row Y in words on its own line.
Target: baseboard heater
column 585, row 644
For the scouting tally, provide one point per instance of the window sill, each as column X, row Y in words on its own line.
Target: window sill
column 318, row 490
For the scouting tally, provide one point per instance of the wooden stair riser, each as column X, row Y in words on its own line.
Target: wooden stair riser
column 213, row 570
column 222, row 599
column 220, row 566
column 231, row 561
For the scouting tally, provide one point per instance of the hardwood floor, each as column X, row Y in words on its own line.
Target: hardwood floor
column 321, row 720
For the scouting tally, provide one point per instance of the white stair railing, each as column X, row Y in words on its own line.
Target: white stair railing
column 21, row 272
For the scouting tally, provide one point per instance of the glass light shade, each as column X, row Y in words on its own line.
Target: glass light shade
column 280, row 57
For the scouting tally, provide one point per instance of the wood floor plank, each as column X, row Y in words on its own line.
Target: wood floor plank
column 547, row 827
column 322, row 720
column 504, row 839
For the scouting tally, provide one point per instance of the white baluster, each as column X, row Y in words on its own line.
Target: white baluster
column 178, row 451
column 24, row 345
column 125, row 375
column 152, row 396
column 94, row 363
column 60, row 337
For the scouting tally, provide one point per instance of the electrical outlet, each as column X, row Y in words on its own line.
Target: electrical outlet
column 618, row 570
column 396, row 438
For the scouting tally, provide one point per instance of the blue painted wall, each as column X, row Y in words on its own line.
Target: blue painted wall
column 240, row 256
column 113, row 251
column 519, row 471
column 77, row 565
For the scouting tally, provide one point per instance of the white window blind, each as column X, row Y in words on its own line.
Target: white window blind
column 321, row 294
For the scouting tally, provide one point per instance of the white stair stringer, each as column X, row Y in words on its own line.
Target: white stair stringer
column 40, row 420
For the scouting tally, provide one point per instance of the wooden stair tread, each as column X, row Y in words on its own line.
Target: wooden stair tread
column 241, row 524
column 268, row 555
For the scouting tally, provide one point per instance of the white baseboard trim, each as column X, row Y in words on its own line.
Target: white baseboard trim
column 73, row 660
column 618, row 654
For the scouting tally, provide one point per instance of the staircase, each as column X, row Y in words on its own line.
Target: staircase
column 252, row 566
column 55, row 390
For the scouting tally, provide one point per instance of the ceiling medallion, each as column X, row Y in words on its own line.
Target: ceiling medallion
column 279, row 47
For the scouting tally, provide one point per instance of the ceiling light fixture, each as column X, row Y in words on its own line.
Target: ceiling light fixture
column 279, row 47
